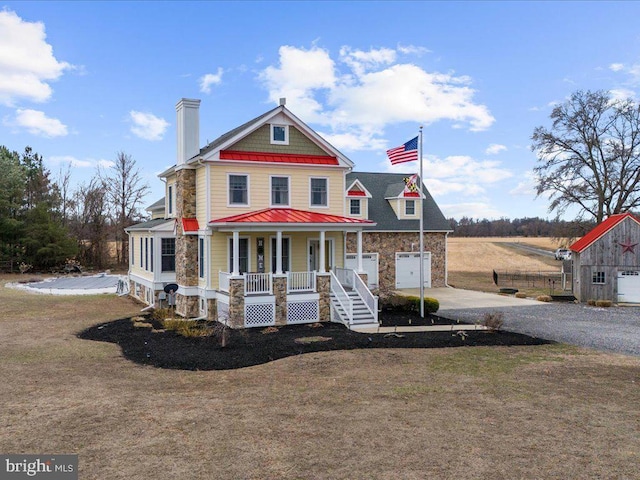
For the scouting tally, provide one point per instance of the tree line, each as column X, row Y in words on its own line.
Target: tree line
column 45, row 223
column 520, row 227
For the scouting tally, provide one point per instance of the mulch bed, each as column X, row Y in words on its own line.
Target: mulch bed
column 254, row 346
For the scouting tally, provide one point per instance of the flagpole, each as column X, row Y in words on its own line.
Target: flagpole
column 421, row 231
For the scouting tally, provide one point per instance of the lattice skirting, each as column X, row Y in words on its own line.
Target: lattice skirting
column 303, row 312
column 259, row 314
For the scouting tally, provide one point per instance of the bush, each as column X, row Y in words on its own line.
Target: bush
column 521, row 295
column 591, row 302
column 187, row 328
column 544, row 298
column 604, row 303
column 410, row 304
column 493, row 321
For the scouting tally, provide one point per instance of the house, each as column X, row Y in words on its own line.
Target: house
column 606, row 261
column 269, row 225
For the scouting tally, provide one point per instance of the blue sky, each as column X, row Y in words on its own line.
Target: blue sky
column 81, row 81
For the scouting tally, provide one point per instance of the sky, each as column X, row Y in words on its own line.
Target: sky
column 82, row 81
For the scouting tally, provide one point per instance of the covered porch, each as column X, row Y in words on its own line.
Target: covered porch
column 282, row 268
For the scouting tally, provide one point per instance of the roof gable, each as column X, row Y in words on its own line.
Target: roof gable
column 600, row 230
column 356, row 189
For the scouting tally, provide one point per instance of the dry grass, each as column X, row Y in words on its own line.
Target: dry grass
column 473, row 413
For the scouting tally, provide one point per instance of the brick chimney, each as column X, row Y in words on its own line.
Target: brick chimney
column 187, row 129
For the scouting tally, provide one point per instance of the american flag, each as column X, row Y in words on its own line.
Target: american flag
column 407, row 152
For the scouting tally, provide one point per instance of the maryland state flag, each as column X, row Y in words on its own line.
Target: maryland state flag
column 411, row 184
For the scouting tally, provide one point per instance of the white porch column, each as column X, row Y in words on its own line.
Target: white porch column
column 279, row 252
column 236, row 253
column 359, row 250
column 322, row 253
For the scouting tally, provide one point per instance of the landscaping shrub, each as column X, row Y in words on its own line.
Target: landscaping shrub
column 521, row 295
column 604, row 303
column 493, row 321
column 410, row 304
column 544, row 298
column 187, row 328
column 591, row 302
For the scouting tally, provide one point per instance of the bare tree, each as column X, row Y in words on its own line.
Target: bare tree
column 126, row 190
column 590, row 158
column 66, row 200
column 90, row 222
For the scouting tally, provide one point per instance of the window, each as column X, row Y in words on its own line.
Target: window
column 141, row 253
column 133, row 253
column 598, row 277
column 238, row 190
column 170, row 199
column 319, row 192
column 279, row 191
column 354, row 206
column 409, row 207
column 201, row 257
column 168, row 254
column 285, row 254
column 280, row 134
column 151, row 253
column 146, row 254
column 243, row 256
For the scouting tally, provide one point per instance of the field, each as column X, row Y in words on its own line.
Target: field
column 472, row 261
column 473, row 412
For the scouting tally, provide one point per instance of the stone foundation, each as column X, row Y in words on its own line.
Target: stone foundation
column 187, row 307
column 323, row 285
column 212, row 309
column 236, row 303
column 280, row 292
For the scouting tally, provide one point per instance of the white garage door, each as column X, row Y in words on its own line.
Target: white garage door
column 629, row 286
column 408, row 270
column 369, row 265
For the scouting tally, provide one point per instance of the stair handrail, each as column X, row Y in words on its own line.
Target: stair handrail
column 341, row 296
column 369, row 299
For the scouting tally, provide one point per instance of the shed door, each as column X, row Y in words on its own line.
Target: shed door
column 369, row 264
column 408, row 270
column 629, row 286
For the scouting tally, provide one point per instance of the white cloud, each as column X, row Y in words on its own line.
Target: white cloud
column 616, row 67
column 412, row 50
column 37, row 123
column 106, row 163
column 147, row 125
column 471, row 209
column 363, row 92
column 621, row 93
column 211, row 79
column 73, row 161
column 495, row 148
column 27, row 62
column 526, row 187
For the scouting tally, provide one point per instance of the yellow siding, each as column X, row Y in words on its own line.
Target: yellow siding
column 135, row 268
column 201, row 197
column 394, row 205
column 364, row 208
column 260, row 187
column 401, row 207
column 218, row 257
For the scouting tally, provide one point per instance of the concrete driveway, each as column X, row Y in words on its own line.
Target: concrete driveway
column 615, row 329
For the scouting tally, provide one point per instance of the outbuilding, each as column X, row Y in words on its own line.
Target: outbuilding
column 606, row 261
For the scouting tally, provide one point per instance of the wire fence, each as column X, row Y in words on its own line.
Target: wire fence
column 553, row 280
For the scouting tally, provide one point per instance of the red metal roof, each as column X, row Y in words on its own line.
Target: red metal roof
column 278, row 157
column 356, row 193
column 190, row 224
column 411, row 194
column 288, row 215
column 600, row 230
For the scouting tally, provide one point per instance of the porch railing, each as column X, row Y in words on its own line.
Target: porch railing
column 369, row 299
column 301, row 282
column 343, row 299
column 256, row 283
column 223, row 281
column 344, row 276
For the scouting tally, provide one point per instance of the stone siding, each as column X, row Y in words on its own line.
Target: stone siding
column 323, row 284
column 187, row 307
column 280, row 292
column 386, row 244
column 212, row 309
column 236, row 303
column 186, row 245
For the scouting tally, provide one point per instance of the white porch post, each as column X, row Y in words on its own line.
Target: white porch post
column 236, row 253
column 359, row 251
column 279, row 252
column 322, row 253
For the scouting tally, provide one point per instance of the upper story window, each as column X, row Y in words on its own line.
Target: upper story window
column 238, row 190
column 168, row 254
column 319, row 192
column 170, row 199
column 354, row 206
column 280, row 134
column 279, row 191
column 409, row 207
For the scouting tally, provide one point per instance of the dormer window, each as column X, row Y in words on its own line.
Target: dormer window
column 279, row 134
column 354, row 206
column 409, row 207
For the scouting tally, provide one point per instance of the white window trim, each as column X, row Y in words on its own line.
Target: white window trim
column 415, row 208
column 288, row 204
column 311, row 193
column 359, row 200
column 230, row 246
column 236, row 205
column 286, row 134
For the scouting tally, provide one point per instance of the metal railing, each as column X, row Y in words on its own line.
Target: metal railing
column 256, row 283
column 301, row 282
column 342, row 298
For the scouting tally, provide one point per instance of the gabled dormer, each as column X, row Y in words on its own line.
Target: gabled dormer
column 404, row 198
column 357, row 204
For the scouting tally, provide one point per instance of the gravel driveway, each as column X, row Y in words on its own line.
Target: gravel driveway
column 614, row 329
